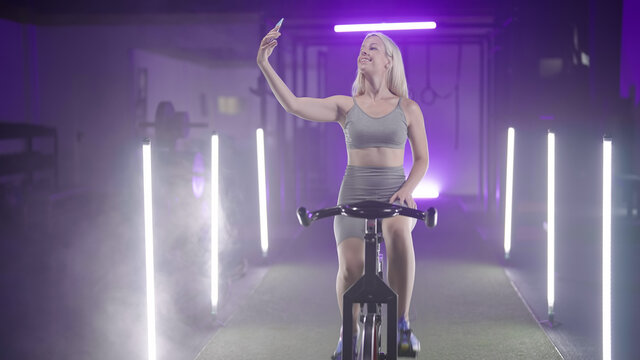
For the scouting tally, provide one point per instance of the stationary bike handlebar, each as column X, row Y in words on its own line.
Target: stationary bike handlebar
column 368, row 210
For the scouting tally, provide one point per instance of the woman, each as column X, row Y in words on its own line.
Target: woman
column 376, row 121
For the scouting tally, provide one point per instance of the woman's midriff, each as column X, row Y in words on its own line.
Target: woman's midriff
column 379, row 156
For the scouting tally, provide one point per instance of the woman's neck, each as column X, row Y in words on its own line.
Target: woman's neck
column 375, row 88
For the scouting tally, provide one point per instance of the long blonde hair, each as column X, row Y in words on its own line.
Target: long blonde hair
column 396, row 80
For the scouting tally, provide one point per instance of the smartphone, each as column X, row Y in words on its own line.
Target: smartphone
column 278, row 27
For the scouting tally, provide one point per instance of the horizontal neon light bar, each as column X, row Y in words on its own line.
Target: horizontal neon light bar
column 424, row 25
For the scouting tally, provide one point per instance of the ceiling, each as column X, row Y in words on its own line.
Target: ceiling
column 24, row 9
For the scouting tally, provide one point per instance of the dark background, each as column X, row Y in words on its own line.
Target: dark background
column 72, row 255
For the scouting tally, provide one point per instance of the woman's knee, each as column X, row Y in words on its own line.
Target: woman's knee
column 351, row 258
column 397, row 234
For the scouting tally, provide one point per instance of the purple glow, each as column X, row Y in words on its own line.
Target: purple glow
column 423, row 25
column 197, row 180
column 630, row 51
column 426, row 191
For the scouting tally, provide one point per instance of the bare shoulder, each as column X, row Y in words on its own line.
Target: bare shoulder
column 344, row 102
column 409, row 105
column 411, row 109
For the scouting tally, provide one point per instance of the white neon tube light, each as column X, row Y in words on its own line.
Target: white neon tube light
column 551, row 222
column 606, row 248
column 215, row 206
column 423, row 25
column 148, row 245
column 262, row 192
column 508, row 202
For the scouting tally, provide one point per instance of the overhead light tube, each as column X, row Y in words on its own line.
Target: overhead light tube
column 421, row 25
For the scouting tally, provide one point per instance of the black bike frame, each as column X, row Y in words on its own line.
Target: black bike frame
column 370, row 289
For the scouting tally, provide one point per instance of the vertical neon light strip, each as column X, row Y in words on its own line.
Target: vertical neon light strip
column 509, row 192
column 606, row 248
column 148, row 244
column 262, row 192
column 215, row 206
column 551, row 222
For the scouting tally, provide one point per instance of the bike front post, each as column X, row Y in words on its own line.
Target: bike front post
column 372, row 290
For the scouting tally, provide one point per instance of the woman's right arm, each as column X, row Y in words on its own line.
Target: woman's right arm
column 313, row 109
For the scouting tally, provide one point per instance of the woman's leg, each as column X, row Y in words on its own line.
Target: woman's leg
column 350, row 269
column 401, row 261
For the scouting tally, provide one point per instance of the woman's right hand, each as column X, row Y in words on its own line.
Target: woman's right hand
column 267, row 45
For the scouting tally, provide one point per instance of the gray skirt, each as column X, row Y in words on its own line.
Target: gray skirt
column 365, row 183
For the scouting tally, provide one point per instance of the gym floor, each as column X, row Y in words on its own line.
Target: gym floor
column 75, row 289
column 464, row 306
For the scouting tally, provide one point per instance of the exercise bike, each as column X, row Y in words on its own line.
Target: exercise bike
column 370, row 289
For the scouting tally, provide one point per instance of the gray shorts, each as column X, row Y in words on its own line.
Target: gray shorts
column 365, row 183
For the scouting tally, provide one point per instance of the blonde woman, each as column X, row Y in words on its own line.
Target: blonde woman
column 377, row 121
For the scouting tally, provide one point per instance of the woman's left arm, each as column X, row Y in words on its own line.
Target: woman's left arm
column 420, row 151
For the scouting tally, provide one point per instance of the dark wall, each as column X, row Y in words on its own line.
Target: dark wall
column 18, row 88
column 79, row 78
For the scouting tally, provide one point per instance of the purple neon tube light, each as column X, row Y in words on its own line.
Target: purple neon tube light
column 422, row 25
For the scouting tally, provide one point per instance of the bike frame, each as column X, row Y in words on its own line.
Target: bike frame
column 370, row 289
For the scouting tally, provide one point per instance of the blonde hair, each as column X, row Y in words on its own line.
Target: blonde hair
column 396, row 79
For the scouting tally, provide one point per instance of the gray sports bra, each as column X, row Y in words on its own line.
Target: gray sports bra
column 363, row 131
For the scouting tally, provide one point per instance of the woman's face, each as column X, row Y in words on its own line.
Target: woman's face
column 373, row 58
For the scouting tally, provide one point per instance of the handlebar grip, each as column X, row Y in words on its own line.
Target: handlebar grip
column 303, row 216
column 432, row 217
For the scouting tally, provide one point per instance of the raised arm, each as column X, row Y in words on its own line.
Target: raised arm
column 313, row 109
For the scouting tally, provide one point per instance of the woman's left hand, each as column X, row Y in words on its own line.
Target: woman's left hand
column 404, row 195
